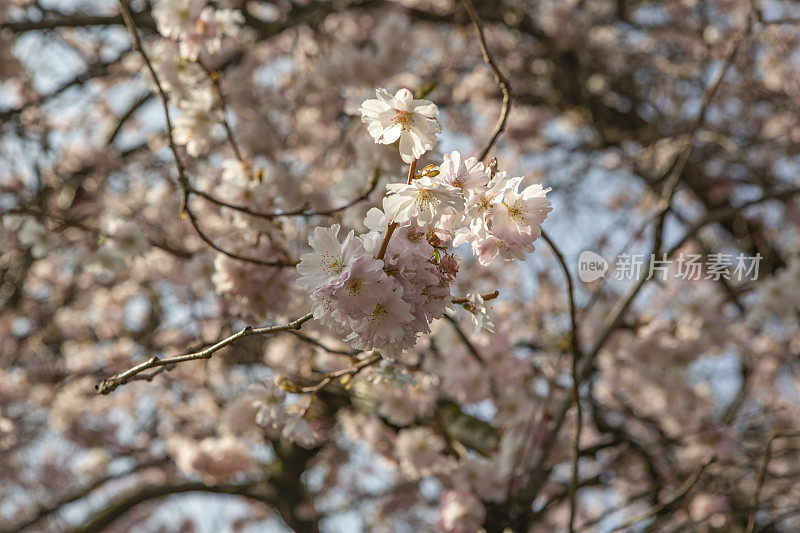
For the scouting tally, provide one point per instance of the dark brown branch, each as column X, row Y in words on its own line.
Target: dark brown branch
column 183, row 180
column 204, row 236
column 127, row 501
column 46, row 510
column 330, row 376
column 670, row 502
column 135, row 106
column 762, row 476
column 303, row 211
column 576, row 359
column 78, row 20
column 614, row 318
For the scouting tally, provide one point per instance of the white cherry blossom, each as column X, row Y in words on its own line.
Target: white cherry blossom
column 402, row 117
column 426, row 199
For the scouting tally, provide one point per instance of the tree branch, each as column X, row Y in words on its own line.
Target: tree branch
column 499, row 77
column 110, row 384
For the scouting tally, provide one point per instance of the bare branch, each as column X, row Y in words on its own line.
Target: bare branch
column 110, row 384
column 676, row 497
column 576, row 359
column 330, row 376
column 762, row 476
column 499, row 77
column 183, row 180
column 303, row 211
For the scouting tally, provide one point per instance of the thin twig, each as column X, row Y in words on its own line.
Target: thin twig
column 672, row 500
column 109, row 384
column 302, row 211
column 576, row 359
column 137, row 45
column 614, row 317
column 330, row 376
column 762, row 476
column 216, row 82
column 318, row 344
column 196, row 225
column 499, row 77
column 412, row 170
column 486, row 296
column 183, row 180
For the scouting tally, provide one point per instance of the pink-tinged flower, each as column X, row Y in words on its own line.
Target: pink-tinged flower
column 419, row 452
column 486, row 246
column 460, row 512
column 503, row 221
column 329, row 259
column 413, row 122
column 516, row 217
column 214, row 459
column 466, row 174
column 384, row 324
column 357, row 293
column 426, row 199
column 203, row 33
column 175, row 17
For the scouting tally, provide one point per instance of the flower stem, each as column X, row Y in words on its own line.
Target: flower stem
column 412, row 169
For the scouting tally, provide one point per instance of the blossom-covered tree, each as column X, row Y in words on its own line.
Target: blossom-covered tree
column 399, row 265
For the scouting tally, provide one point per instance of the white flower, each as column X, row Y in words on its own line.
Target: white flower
column 481, row 198
column 177, row 75
column 127, row 238
column 329, row 259
column 480, row 313
column 37, row 237
column 175, row 17
column 384, row 324
column 460, row 512
column 229, row 22
column 419, row 452
column 426, row 199
column 195, row 125
column 299, row 431
column 390, row 118
column 516, row 218
column 465, row 174
column 202, row 34
column 270, row 411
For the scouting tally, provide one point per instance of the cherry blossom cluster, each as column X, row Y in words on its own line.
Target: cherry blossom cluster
column 382, row 289
column 193, row 29
column 196, row 25
column 377, row 303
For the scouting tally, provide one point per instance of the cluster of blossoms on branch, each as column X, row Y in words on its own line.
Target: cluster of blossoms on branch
column 194, row 32
column 381, row 289
column 196, row 25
